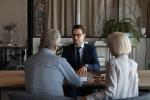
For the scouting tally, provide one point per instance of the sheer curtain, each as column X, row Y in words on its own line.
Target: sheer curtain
column 135, row 9
column 130, row 8
column 93, row 14
column 61, row 15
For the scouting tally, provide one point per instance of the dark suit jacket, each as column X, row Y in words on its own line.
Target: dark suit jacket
column 89, row 57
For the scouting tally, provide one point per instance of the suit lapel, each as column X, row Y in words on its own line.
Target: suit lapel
column 72, row 54
column 84, row 54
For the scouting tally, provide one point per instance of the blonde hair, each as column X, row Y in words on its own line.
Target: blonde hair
column 50, row 39
column 120, row 43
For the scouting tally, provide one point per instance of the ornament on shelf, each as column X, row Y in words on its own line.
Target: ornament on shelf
column 10, row 28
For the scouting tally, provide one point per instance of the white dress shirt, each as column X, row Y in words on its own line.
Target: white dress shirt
column 121, row 79
column 80, row 50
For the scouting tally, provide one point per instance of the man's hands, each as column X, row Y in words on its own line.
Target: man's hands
column 82, row 71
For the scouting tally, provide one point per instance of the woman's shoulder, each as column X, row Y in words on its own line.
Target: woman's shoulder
column 113, row 60
column 133, row 63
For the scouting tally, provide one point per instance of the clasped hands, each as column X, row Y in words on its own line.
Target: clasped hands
column 82, row 71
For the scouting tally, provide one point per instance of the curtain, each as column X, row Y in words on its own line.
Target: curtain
column 61, row 15
column 135, row 9
column 94, row 14
column 129, row 8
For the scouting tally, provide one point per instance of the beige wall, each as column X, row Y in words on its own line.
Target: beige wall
column 14, row 11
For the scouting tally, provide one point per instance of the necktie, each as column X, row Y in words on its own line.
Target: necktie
column 78, row 57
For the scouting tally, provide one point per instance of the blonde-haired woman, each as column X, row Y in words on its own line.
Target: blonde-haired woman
column 121, row 72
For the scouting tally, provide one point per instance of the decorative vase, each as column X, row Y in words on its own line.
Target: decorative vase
column 10, row 37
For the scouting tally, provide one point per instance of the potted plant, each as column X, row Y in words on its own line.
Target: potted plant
column 126, row 25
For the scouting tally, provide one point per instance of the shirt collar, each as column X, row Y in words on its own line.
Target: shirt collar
column 47, row 50
column 82, row 45
column 124, row 56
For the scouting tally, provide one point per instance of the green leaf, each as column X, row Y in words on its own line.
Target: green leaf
column 126, row 25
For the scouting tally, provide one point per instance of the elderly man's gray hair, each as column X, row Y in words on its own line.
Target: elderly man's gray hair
column 50, row 39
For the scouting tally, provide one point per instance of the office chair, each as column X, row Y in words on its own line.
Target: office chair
column 28, row 96
column 145, row 96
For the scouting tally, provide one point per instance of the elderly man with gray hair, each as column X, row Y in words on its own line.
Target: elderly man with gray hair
column 45, row 72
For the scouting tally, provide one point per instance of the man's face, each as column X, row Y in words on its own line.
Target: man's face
column 78, row 37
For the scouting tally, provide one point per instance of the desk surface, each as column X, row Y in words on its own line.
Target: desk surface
column 11, row 78
column 144, row 79
column 16, row 79
column 91, row 83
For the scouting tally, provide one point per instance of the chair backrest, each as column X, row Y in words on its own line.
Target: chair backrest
column 140, row 97
column 27, row 96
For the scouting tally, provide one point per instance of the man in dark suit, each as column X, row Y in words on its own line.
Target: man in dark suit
column 82, row 57
column 88, row 59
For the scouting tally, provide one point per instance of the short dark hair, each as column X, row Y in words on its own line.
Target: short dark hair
column 82, row 27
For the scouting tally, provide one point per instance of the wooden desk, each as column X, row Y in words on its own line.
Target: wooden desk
column 16, row 79
column 11, row 79
column 90, row 83
column 144, row 79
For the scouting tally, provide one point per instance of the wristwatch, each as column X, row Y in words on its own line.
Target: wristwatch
column 86, row 65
